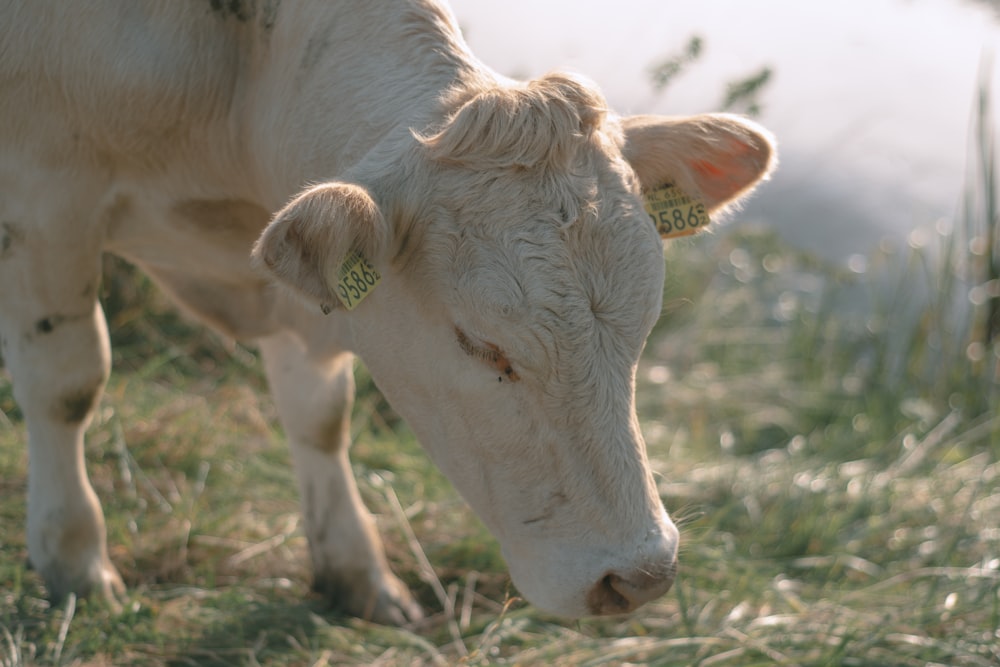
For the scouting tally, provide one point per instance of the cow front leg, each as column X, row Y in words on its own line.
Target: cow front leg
column 55, row 346
column 314, row 398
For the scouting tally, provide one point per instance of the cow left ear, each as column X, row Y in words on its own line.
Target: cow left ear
column 716, row 159
column 307, row 242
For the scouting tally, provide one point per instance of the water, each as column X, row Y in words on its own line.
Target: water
column 871, row 99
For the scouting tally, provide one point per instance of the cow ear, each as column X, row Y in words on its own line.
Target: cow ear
column 714, row 158
column 307, row 241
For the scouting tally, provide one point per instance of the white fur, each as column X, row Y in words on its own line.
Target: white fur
column 520, row 273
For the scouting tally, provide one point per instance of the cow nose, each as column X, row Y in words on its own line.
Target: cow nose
column 622, row 592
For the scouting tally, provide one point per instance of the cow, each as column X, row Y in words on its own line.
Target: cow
column 326, row 179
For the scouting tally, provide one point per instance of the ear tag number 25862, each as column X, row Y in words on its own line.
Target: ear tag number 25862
column 355, row 280
column 674, row 213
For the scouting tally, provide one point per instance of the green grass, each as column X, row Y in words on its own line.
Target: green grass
column 828, row 440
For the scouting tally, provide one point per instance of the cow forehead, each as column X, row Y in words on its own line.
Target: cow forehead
column 545, row 249
column 558, row 258
column 589, row 217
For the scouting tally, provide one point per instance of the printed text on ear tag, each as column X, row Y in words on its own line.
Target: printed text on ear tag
column 355, row 280
column 674, row 213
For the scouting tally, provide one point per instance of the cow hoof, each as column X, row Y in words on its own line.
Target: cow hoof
column 99, row 582
column 394, row 605
column 380, row 598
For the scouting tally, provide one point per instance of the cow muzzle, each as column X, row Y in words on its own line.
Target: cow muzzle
column 620, row 592
column 614, row 576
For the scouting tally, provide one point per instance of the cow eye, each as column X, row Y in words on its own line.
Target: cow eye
column 489, row 354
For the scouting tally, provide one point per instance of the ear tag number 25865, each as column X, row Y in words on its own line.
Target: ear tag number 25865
column 355, row 280
column 674, row 213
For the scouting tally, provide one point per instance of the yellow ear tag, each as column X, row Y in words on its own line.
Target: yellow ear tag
column 355, row 280
column 674, row 213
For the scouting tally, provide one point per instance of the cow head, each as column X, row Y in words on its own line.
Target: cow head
column 520, row 277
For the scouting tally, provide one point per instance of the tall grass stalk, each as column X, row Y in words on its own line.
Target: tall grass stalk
column 990, row 211
column 981, row 240
column 936, row 331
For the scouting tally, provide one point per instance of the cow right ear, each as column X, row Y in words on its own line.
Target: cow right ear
column 308, row 240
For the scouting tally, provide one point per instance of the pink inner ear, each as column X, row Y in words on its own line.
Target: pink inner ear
column 706, row 168
column 726, row 173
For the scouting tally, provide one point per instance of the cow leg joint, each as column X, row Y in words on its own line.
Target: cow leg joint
column 314, row 398
column 59, row 364
column 66, row 531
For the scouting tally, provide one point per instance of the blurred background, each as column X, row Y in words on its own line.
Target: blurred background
column 871, row 100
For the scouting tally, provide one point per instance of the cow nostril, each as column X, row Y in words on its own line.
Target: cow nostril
column 617, row 594
column 606, row 597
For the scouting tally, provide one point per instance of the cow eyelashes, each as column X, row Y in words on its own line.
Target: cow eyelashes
column 489, row 354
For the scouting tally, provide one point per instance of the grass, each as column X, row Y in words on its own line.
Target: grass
column 828, row 438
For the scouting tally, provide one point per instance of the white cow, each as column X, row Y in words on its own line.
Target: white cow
column 505, row 277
